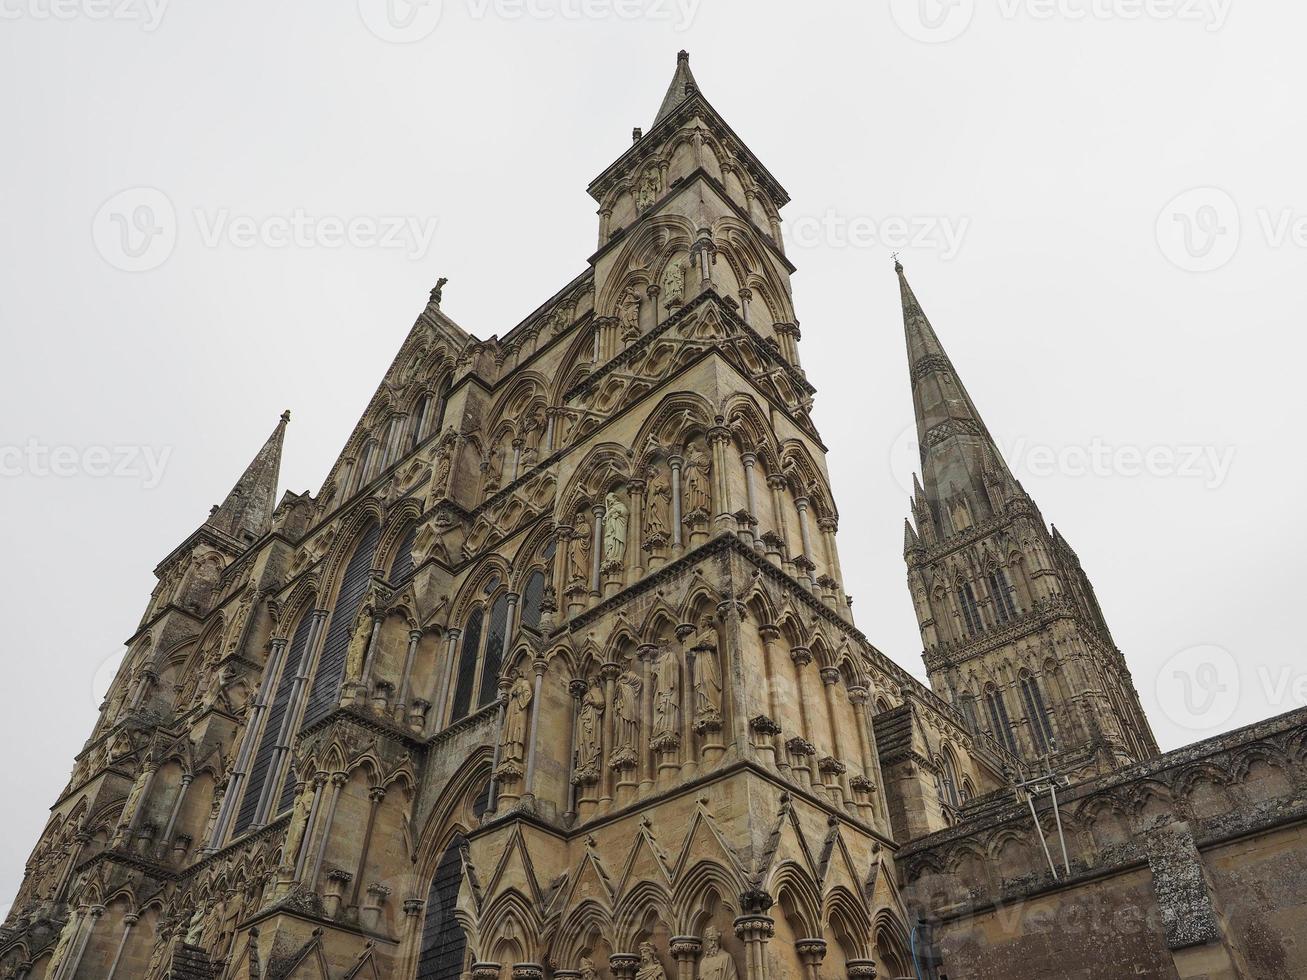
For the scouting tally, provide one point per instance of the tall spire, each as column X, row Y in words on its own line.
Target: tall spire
column 683, row 84
column 957, row 451
column 246, row 514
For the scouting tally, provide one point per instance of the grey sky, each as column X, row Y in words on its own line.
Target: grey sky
column 1041, row 154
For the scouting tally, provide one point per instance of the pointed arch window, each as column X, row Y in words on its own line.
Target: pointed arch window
column 444, row 946
column 970, row 611
column 272, row 723
column 421, row 423
column 492, row 658
column 967, row 704
column 363, row 468
column 998, row 717
column 1004, row 607
column 533, row 596
column 467, row 664
column 1041, row 727
column 401, row 566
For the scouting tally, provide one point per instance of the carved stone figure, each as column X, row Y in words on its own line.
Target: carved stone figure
column 494, row 470
column 650, row 968
column 579, row 556
column 588, row 971
column 515, row 718
column 440, row 478
column 589, row 738
column 647, row 193
column 626, row 709
column 629, row 313
column 657, row 510
column 438, row 293
column 673, row 285
column 715, row 963
column 698, row 496
column 357, row 653
column 299, row 821
column 616, row 518
column 707, row 674
column 666, row 702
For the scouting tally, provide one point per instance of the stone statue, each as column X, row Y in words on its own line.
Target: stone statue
column 195, row 928
column 616, row 517
column 438, row 293
column 650, row 968
column 494, row 470
column 440, row 478
column 629, row 313
column 359, row 641
column 133, row 802
column 656, row 513
column 589, row 737
column 673, row 285
column 299, row 822
column 515, row 715
column 647, row 193
column 626, row 708
column 666, row 703
column 698, row 497
column 579, row 556
column 707, row 673
column 588, row 971
column 715, row 963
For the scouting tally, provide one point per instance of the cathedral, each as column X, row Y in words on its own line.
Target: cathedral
column 556, row 678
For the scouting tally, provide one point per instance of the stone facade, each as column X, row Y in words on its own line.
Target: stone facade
column 556, row 677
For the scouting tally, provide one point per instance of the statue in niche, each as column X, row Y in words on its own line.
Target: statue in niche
column 629, row 314
column 716, row 963
column 647, row 192
column 299, row 822
column 626, row 710
column 359, row 640
column 656, row 512
column 440, row 478
column 590, row 732
column 494, row 470
column 579, row 556
column 649, row 968
column 698, row 498
column 515, row 716
column 673, row 285
column 133, row 802
column 707, row 675
column 666, row 703
column 616, row 518
column 588, row 971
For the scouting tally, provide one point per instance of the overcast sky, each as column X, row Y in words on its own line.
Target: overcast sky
column 1105, row 220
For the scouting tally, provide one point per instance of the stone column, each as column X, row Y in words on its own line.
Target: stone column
column 376, row 796
column 770, row 634
column 746, row 294
column 719, row 438
column 609, row 673
column 517, row 460
column 401, row 703
column 597, row 551
column 176, row 809
column 828, row 526
column 811, row 953
column 441, row 712
column 310, row 826
column 689, row 750
column 624, row 965
column 805, row 533
column 646, row 654
column 337, row 784
column 129, row 923
column 686, row 951
column 750, row 461
column 69, row 969
column 675, row 463
column 635, row 546
column 859, row 698
column 485, row 971
column 755, row 930
column 577, row 688
column 776, row 484
column 860, row 970
column 528, row 971
column 539, row 666
column 502, row 701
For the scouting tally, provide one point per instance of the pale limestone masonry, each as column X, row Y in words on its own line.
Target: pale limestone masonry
column 556, row 678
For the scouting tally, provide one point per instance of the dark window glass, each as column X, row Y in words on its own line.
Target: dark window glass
column 967, row 600
column 275, row 715
column 467, row 666
column 418, row 427
column 532, row 596
column 494, row 651
column 325, row 693
column 1040, row 726
column 1002, row 725
column 401, row 567
column 1004, row 607
column 443, row 943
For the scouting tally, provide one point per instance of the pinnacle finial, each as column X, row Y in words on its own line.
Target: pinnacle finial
column 898, row 266
column 285, row 416
column 682, row 57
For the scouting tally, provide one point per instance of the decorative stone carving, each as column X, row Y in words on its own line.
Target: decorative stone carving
column 647, row 191
column 657, row 510
column 674, row 285
column 616, row 518
column 626, row 709
column 357, row 653
column 589, row 735
column 665, row 735
column 513, row 742
column 707, row 678
column 765, row 726
column 578, row 561
column 716, row 963
column 440, row 474
column 628, row 314
column 649, row 968
column 698, row 496
column 299, row 821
